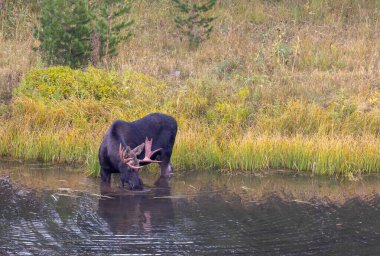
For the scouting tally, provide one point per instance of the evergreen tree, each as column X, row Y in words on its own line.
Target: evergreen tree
column 193, row 22
column 64, row 32
column 111, row 27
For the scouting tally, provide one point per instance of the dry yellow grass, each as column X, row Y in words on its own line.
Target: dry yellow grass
column 331, row 44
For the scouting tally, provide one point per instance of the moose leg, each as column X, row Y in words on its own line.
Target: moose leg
column 105, row 176
column 166, row 169
column 162, row 182
column 124, row 175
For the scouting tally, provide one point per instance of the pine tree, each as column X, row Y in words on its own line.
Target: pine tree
column 65, row 32
column 193, row 22
column 111, row 27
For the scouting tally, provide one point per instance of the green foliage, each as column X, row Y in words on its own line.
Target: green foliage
column 60, row 83
column 111, row 26
column 194, row 22
column 70, row 32
column 93, row 86
column 282, row 50
column 232, row 112
column 64, row 32
column 342, row 108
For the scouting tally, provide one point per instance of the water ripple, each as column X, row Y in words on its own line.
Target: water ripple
column 33, row 223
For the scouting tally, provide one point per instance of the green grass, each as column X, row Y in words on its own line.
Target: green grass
column 324, row 155
column 203, row 150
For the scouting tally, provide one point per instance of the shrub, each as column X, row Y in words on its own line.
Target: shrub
column 70, row 32
column 65, row 32
column 194, row 23
column 111, row 28
column 60, row 83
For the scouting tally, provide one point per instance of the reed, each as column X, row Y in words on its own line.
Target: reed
column 324, row 155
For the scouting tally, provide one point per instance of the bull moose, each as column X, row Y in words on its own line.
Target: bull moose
column 128, row 146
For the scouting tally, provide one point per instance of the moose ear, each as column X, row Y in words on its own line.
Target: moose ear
column 137, row 150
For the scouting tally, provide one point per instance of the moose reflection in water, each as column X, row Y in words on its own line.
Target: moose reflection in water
column 126, row 212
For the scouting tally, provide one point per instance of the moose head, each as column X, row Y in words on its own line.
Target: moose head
column 129, row 158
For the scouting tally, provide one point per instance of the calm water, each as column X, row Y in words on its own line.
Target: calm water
column 50, row 210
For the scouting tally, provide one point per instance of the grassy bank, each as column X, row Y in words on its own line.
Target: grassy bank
column 50, row 120
column 280, row 84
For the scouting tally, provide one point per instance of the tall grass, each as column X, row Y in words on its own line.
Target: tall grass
column 318, row 154
column 197, row 149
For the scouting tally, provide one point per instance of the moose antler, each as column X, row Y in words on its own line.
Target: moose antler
column 122, row 153
column 127, row 161
column 133, row 160
column 149, row 153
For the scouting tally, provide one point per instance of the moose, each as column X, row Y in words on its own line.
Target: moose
column 124, row 144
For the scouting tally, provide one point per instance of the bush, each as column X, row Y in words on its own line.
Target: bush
column 65, row 32
column 70, row 33
column 194, row 23
column 110, row 28
column 64, row 83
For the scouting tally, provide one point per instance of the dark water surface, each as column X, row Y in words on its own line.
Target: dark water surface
column 50, row 210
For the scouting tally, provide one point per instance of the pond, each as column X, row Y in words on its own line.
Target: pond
column 56, row 210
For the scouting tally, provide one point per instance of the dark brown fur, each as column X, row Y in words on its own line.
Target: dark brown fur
column 159, row 127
